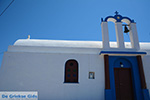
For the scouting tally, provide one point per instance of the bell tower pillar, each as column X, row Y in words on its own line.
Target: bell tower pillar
column 119, row 35
column 105, row 35
column 134, row 36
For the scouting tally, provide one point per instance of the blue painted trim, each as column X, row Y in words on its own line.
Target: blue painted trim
column 121, row 52
column 108, row 18
column 118, row 19
column 128, row 62
column 102, row 20
column 108, row 94
column 146, row 94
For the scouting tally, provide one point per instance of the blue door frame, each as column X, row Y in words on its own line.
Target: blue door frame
column 128, row 62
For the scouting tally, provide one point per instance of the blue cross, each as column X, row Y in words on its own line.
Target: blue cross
column 116, row 12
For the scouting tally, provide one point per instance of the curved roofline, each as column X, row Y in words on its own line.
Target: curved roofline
column 67, row 43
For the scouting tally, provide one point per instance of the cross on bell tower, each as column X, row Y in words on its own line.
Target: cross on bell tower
column 116, row 12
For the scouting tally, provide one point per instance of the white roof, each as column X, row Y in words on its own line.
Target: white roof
column 65, row 43
column 58, row 43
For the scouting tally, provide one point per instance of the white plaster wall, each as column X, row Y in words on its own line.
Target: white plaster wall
column 44, row 72
column 146, row 66
column 26, row 67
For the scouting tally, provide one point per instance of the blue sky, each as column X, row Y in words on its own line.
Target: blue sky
column 67, row 19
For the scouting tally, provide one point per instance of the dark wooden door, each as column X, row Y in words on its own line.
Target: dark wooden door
column 123, row 84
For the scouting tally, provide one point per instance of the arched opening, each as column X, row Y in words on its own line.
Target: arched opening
column 122, row 62
column 112, row 34
column 71, row 71
column 126, row 36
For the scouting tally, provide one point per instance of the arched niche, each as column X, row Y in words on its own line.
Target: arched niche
column 122, row 62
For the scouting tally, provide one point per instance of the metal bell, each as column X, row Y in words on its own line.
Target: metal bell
column 126, row 30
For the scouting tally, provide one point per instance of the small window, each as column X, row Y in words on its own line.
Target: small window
column 71, row 71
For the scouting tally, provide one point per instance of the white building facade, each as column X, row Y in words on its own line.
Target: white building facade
column 80, row 70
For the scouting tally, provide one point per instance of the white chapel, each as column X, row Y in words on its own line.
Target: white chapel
column 81, row 70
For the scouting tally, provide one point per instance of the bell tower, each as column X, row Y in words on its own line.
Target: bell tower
column 123, row 65
column 118, row 20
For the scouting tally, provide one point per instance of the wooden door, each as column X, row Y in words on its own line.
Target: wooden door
column 123, row 84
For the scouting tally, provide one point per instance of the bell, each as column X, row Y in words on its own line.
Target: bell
column 126, row 29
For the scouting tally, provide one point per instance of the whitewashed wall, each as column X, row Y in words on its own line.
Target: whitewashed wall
column 33, row 67
column 44, row 72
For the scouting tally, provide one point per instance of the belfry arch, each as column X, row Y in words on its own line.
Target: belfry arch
column 118, row 20
column 112, row 34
